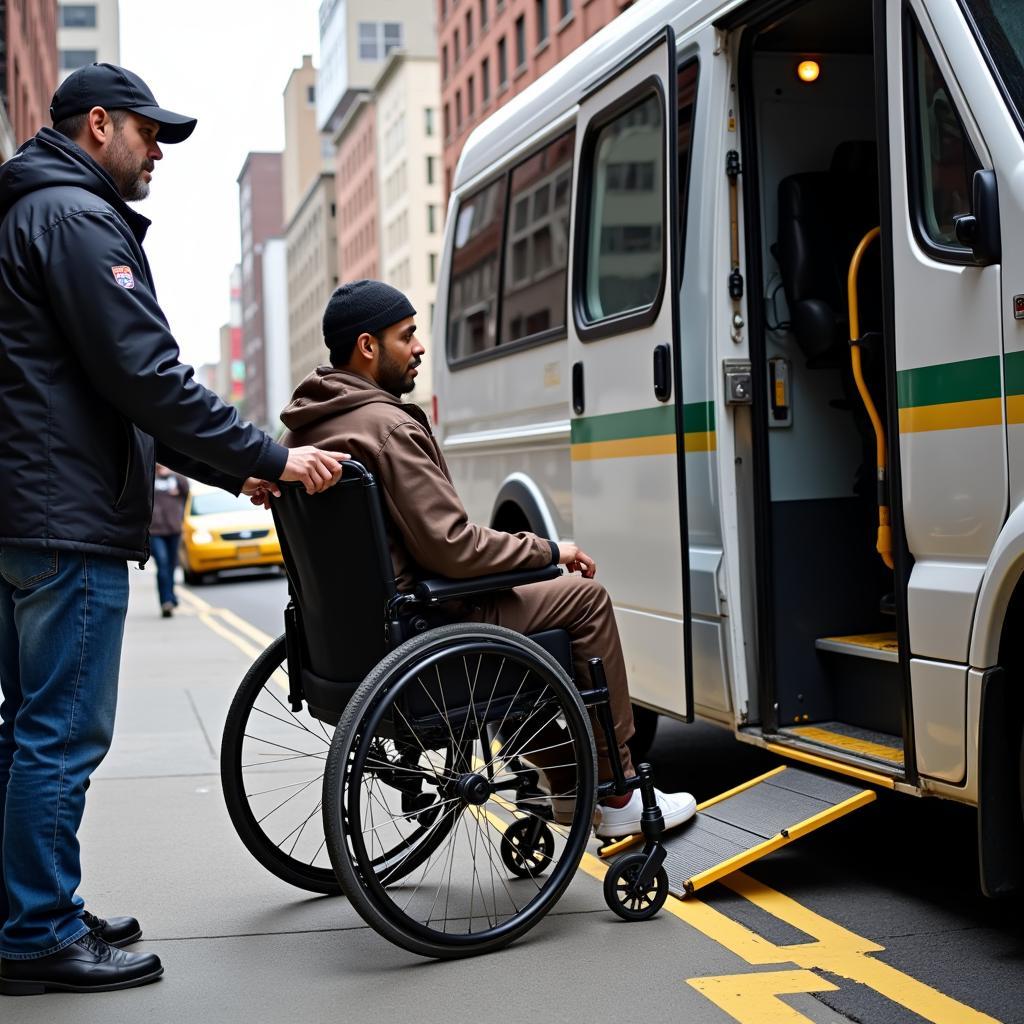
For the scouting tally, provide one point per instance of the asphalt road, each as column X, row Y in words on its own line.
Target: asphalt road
column 900, row 873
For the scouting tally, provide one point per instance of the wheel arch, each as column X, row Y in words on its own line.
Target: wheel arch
column 520, row 496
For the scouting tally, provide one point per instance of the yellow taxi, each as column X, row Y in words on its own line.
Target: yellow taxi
column 221, row 531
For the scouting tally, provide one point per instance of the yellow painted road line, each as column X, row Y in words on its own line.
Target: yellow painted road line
column 754, row 997
column 981, row 412
column 854, row 744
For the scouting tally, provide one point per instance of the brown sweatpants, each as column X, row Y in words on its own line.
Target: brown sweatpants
column 583, row 608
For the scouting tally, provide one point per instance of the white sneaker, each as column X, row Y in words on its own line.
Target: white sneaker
column 617, row 822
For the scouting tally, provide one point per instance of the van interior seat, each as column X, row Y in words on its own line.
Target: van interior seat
column 822, row 217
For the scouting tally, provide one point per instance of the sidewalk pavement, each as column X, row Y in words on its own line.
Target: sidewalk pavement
column 238, row 944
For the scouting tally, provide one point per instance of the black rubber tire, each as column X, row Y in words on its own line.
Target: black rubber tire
column 193, row 579
column 378, row 692
column 621, row 873
column 289, row 869
column 523, row 861
column 645, row 725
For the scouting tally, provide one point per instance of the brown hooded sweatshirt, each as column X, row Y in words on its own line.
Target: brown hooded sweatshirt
column 429, row 530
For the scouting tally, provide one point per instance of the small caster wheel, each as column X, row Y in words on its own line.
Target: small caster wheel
column 618, row 884
column 526, row 848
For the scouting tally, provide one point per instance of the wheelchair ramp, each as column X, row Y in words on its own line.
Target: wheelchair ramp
column 744, row 824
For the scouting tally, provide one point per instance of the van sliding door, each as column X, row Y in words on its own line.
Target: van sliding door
column 628, row 440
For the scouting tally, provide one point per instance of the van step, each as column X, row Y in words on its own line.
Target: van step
column 744, row 824
column 879, row 646
column 878, row 746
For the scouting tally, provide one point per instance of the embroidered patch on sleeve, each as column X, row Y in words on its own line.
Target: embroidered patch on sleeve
column 123, row 276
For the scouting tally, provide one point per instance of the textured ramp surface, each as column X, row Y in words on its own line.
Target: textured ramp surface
column 759, row 816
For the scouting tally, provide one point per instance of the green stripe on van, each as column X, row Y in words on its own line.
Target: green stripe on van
column 1013, row 370
column 965, row 381
column 698, row 418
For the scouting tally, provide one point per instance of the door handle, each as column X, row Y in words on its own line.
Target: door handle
column 578, row 403
column 662, row 373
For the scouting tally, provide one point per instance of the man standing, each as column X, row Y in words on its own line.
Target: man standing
column 170, row 493
column 91, row 389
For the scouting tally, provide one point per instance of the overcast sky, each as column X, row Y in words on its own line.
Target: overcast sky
column 225, row 62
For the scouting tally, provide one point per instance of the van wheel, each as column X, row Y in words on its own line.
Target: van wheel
column 194, row 579
column 645, row 724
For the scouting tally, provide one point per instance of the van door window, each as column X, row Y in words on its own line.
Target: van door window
column 945, row 162
column 624, row 256
column 1000, row 27
column 473, row 295
column 537, row 248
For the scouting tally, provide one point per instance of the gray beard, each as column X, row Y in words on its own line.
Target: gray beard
column 121, row 165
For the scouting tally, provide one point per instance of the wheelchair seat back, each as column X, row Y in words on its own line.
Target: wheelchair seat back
column 341, row 577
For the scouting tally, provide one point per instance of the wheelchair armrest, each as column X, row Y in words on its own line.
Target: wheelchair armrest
column 433, row 591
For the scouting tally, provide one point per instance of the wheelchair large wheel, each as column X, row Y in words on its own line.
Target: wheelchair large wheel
column 497, row 699
column 272, row 770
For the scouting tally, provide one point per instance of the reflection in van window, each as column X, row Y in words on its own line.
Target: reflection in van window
column 537, row 247
column 1001, row 23
column 473, row 297
column 947, row 161
column 625, row 254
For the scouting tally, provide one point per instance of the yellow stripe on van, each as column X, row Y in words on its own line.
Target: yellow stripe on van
column 632, row 447
column 1015, row 408
column 982, row 412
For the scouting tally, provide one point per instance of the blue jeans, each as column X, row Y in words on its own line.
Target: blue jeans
column 165, row 553
column 61, row 624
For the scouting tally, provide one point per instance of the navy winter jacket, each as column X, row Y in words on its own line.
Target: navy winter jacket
column 92, row 391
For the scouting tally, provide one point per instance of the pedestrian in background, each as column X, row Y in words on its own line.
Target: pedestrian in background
column 92, row 391
column 169, row 494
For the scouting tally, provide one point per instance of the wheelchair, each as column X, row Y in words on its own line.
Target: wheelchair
column 382, row 749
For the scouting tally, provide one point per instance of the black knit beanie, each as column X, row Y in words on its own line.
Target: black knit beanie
column 361, row 307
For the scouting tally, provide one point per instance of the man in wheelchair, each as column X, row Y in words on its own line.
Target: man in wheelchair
column 355, row 405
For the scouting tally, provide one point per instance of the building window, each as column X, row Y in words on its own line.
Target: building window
column 456, row 51
column 77, row 15
column 71, row 59
column 485, row 81
column 470, row 96
column 378, row 38
column 444, row 62
column 311, row 94
column 431, row 169
column 428, row 121
column 502, row 63
column 447, row 121
column 469, row 29
column 431, row 218
column 458, row 110
column 483, row 14
column 542, row 21
column 520, row 41
column 564, row 9
column 432, row 267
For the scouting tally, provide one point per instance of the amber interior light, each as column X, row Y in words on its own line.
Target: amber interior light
column 808, row 70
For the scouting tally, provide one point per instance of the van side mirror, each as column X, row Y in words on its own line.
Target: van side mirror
column 979, row 230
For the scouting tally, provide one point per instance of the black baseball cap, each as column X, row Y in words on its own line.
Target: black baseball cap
column 114, row 88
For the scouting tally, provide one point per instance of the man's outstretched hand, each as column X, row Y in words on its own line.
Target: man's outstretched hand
column 314, row 468
column 575, row 559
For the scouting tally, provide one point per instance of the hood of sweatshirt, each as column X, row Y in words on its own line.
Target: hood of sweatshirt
column 50, row 160
column 328, row 392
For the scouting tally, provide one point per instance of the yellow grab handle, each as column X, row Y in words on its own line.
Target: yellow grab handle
column 884, row 542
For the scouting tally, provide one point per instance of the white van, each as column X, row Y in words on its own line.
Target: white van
column 645, row 312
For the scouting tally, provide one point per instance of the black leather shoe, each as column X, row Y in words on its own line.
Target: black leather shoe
column 88, row 965
column 118, row 931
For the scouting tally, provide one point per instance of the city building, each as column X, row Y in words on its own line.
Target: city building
column 87, row 33
column 29, row 57
column 491, row 50
column 261, row 217
column 408, row 161
column 356, row 182
column 274, row 265
column 309, row 209
column 231, row 383
column 356, row 37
